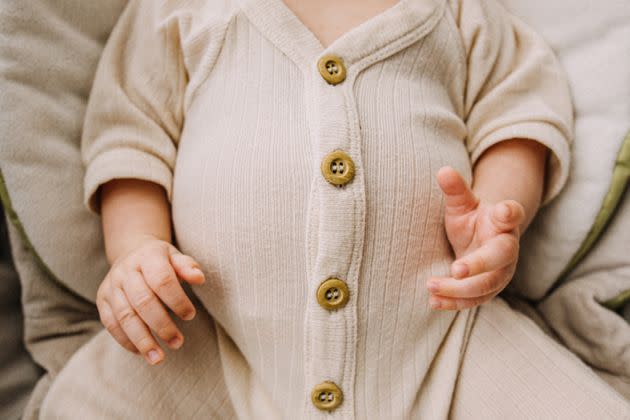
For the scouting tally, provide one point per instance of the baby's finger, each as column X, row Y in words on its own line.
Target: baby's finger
column 161, row 278
column 111, row 323
column 470, row 287
column 458, row 304
column 508, row 215
column 150, row 309
column 459, row 198
column 498, row 252
column 135, row 328
column 186, row 267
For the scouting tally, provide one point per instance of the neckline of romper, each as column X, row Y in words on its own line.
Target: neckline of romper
column 375, row 39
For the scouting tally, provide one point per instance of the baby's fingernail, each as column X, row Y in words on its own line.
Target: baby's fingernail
column 433, row 286
column 176, row 342
column 153, row 356
column 187, row 316
column 459, row 270
column 197, row 272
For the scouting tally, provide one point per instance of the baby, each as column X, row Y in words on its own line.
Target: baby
column 295, row 147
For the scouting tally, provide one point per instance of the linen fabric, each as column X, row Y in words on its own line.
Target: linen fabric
column 224, row 106
column 56, row 322
column 48, row 55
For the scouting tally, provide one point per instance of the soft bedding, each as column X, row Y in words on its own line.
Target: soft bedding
column 48, row 53
column 592, row 40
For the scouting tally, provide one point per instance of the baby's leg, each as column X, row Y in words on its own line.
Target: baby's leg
column 104, row 381
column 513, row 370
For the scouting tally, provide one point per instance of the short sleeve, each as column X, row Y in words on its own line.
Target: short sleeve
column 516, row 88
column 135, row 110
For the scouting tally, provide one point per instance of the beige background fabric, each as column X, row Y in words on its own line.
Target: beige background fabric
column 56, row 321
column 48, row 52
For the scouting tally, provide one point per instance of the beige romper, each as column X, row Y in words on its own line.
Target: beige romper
column 317, row 260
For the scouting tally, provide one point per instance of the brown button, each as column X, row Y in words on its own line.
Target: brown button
column 338, row 168
column 327, row 396
column 333, row 294
column 332, row 69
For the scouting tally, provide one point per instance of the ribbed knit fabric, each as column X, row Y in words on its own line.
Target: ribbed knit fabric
column 512, row 370
column 223, row 105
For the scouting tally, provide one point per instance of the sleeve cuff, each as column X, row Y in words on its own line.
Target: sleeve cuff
column 124, row 164
column 558, row 162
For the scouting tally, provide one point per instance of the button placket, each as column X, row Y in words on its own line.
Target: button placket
column 338, row 193
column 334, row 125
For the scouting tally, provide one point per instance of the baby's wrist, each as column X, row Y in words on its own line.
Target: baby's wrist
column 131, row 244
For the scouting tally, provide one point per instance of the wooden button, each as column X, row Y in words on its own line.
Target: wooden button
column 332, row 69
column 333, row 294
column 338, row 168
column 327, row 396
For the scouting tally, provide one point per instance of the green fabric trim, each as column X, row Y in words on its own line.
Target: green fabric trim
column 618, row 185
column 621, row 175
column 623, row 161
column 15, row 221
column 618, row 302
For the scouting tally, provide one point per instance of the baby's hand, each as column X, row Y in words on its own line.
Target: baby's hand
column 131, row 299
column 485, row 239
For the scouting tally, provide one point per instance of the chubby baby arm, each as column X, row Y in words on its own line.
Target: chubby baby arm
column 132, row 127
column 484, row 224
column 145, row 268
